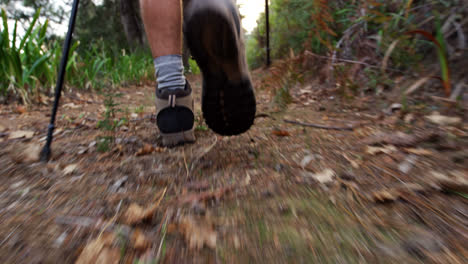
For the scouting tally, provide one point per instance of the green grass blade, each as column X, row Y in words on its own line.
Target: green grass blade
column 13, row 42
column 6, row 35
column 28, row 32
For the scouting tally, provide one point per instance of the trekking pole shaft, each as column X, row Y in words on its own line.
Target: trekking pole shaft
column 45, row 154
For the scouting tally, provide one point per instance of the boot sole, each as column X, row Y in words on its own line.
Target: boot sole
column 228, row 100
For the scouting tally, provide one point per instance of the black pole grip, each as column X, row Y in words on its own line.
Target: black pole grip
column 46, row 151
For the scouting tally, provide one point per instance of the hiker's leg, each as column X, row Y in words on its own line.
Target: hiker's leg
column 163, row 26
column 174, row 103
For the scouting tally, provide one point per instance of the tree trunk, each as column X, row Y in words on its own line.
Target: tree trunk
column 131, row 21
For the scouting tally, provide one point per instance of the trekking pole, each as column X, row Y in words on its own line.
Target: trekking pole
column 45, row 153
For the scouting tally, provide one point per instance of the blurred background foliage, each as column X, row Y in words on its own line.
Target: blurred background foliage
column 363, row 43
column 110, row 50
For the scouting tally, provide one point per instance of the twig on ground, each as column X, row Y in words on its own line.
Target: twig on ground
column 203, row 154
column 349, row 128
column 264, row 116
column 351, row 61
column 150, row 117
column 92, row 223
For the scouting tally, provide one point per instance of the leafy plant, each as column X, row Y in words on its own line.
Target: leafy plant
column 439, row 43
column 110, row 123
column 29, row 63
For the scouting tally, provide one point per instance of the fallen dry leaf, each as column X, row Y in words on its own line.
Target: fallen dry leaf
column 21, row 109
column 353, row 163
column 205, row 196
column 136, row 214
column 71, row 106
column 377, row 150
column 455, row 180
column 281, row 133
column 197, row 236
column 441, row 120
column 385, row 196
column 419, row 151
column 21, row 134
column 100, row 251
column 145, row 150
column 139, row 240
column 69, row 169
column 28, row 153
column 324, row 177
column 400, row 139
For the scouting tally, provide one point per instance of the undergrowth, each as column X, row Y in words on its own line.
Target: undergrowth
column 29, row 63
column 361, row 45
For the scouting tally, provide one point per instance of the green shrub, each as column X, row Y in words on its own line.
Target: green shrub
column 29, row 63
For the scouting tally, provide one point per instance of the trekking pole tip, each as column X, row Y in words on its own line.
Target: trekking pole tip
column 45, row 154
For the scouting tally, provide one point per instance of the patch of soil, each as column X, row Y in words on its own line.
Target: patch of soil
column 279, row 193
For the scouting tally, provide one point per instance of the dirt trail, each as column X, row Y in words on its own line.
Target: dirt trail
column 392, row 188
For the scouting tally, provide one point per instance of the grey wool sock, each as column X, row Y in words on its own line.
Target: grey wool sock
column 170, row 72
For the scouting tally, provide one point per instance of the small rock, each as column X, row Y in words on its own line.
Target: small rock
column 407, row 164
column 396, row 106
column 59, row 241
column 16, row 185
column 306, row 160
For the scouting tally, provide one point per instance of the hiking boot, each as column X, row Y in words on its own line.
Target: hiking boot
column 174, row 115
column 214, row 36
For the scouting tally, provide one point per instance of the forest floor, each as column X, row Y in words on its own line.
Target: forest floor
column 382, row 183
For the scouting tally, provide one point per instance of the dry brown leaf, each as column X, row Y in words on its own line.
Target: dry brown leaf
column 281, row 133
column 69, row 169
column 353, row 163
column 205, row 196
column 100, row 251
column 71, row 106
column 400, row 139
column 197, row 236
column 140, row 241
column 377, row 150
column 21, row 109
column 455, row 180
column 384, row 196
column 442, row 120
column 28, row 153
column 145, row 150
column 324, row 177
column 21, row 134
column 419, row 151
column 136, row 214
